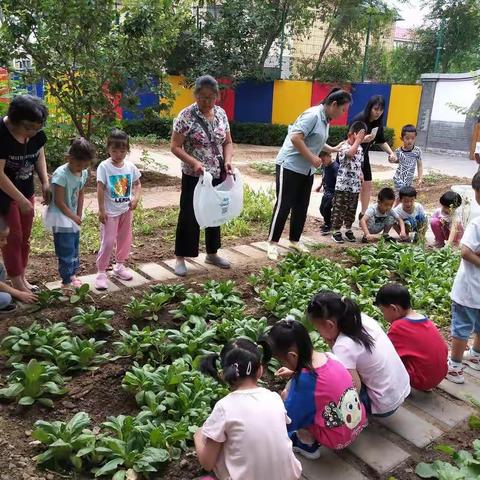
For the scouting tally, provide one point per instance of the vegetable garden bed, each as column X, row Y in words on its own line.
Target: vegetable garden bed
column 114, row 381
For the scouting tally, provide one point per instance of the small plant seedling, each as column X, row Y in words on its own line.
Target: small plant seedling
column 47, row 298
column 81, row 294
column 94, row 319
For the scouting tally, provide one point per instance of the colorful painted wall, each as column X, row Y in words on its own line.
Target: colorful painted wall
column 282, row 101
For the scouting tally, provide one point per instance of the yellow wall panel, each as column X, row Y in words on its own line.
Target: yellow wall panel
column 183, row 96
column 403, row 108
column 290, row 99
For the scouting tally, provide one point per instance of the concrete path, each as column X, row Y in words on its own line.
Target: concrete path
column 386, row 443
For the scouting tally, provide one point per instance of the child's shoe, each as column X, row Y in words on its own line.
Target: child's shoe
column 11, row 307
column 364, row 239
column 387, row 238
column 472, row 359
column 337, row 237
column 101, row 281
column 122, row 272
column 350, row 236
column 311, row 452
column 455, row 373
column 76, row 283
column 299, row 247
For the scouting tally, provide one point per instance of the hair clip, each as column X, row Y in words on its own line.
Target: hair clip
column 249, row 369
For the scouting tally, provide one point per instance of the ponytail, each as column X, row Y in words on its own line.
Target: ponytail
column 346, row 313
column 239, row 359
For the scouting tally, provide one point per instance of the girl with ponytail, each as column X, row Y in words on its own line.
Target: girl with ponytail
column 245, row 436
column 321, row 400
column 360, row 343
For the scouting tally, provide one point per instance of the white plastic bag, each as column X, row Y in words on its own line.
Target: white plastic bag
column 214, row 206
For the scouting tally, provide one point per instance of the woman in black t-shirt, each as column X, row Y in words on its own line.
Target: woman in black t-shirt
column 372, row 116
column 21, row 153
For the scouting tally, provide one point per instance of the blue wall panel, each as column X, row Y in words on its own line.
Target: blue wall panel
column 361, row 93
column 253, row 102
column 146, row 98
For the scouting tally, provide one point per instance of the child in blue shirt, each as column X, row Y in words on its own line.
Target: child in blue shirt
column 329, row 180
column 64, row 214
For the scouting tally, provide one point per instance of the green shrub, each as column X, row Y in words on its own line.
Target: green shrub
column 159, row 126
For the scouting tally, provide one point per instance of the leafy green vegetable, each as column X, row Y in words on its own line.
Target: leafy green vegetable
column 30, row 383
column 94, row 319
column 81, row 294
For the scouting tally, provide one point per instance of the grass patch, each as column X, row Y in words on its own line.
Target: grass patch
column 265, row 168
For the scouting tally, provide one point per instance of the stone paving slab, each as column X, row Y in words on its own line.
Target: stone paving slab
column 233, row 257
column 136, row 281
column 411, row 427
column 377, row 452
column 439, row 407
column 249, row 251
column 200, row 260
column 156, row 271
column 472, row 372
column 191, row 265
column 264, row 246
column 462, row 391
column 90, row 279
column 330, row 466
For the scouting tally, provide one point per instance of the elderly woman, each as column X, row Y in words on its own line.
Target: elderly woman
column 201, row 139
column 372, row 116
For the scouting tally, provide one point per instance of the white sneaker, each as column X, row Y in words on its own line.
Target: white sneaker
column 299, row 247
column 272, row 252
column 455, row 373
column 472, row 359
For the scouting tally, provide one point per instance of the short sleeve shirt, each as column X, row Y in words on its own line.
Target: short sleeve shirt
column 381, row 370
column 71, row 183
column 118, row 183
column 313, row 123
column 197, row 143
column 377, row 221
column 407, row 163
column 466, row 286
column 20, row 160
column 418, row 212
column 350, row 170
column 251, row 424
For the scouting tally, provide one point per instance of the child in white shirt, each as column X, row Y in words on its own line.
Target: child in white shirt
column 412, row 213
column 363, row 347
column 245, row 436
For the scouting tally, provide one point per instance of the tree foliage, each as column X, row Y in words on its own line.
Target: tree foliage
column 88, row 51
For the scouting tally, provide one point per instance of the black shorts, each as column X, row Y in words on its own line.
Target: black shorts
column 366, row 169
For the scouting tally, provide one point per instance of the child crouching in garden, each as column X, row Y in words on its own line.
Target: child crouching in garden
column 245, row 436
column 321, row 400
column 412, row 214
column 416, row 339
column 446, row 223
column 362, row 346
column 64, row 214
column 118, row 192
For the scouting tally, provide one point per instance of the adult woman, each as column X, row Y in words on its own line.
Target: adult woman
column 372, row 116
column 296, row 163
column 201, row 140
column 21, row 153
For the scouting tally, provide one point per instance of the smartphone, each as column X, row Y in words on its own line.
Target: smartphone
column 374, row 132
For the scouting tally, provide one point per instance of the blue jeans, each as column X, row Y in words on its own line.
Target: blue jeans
column 367, row 403
column 5, row 298
column 67, row 251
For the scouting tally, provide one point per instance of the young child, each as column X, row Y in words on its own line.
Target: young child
column 118, row 192
column 64, row 214
column 416, row 339
column 466, row 300
column 8, row 293
column 359, row 342
column 381, row 218
column 446, row 223
column 349, row 183
column 329, row 180
column 321, row 400
column 412, row 214
column 408, row 157
column 245, row 436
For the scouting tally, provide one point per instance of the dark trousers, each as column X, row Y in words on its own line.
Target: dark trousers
column 188, row 230
column 67, row 251
column 293, row 197
column 344, row 209
column 326, row 207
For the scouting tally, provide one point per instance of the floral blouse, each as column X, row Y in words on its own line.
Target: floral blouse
column 197, row 143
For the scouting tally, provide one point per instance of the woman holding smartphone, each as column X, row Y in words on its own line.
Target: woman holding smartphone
column 372, row 116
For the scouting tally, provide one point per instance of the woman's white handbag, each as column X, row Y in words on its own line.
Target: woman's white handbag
column 214, row 206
